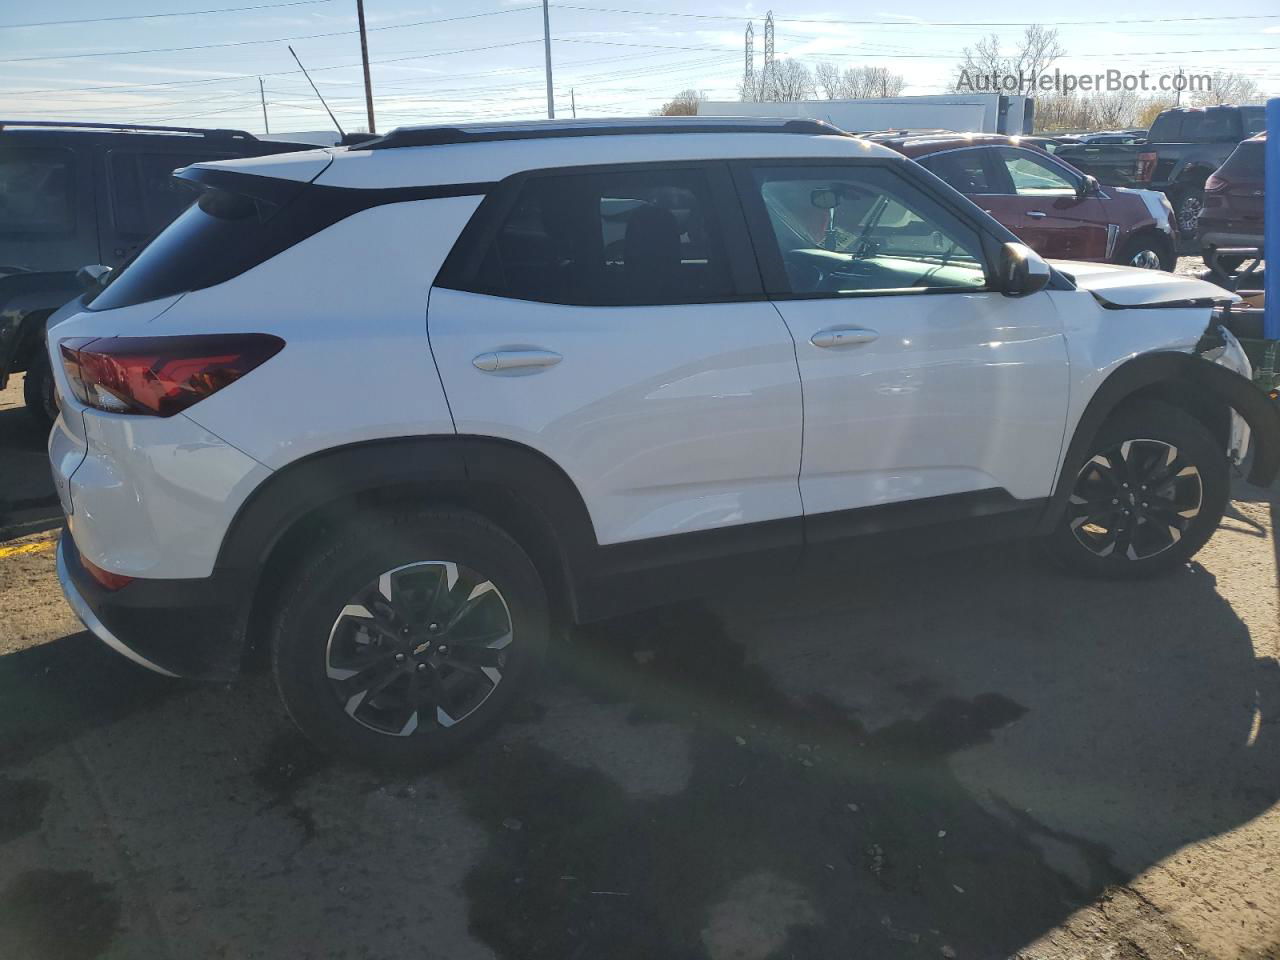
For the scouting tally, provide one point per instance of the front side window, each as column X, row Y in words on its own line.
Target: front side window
column 1033, row 176
column 1253, row 120
column 609, row 239
column 864, row 229
column 1214, row 126
column 37, row 191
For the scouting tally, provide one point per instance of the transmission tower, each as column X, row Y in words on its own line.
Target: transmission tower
column 767, row 78
column 749, row 65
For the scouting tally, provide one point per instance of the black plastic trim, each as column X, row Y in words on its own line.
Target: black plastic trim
column 440, row 136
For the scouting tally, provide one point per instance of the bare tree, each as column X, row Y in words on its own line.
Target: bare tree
column 1227, row 87
column 1038, row 49
column 683, row 104
column 829, row 82
column 1115, row 110
column 791, row 80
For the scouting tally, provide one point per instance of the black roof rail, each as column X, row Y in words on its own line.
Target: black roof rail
column 547, row 129
column 82, row 125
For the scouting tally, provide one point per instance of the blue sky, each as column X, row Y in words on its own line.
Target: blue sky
column 620, row 57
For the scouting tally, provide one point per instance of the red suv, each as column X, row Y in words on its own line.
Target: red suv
column 1232, row 211
column 1053, row 207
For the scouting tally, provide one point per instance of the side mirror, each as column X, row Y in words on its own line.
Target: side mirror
column 1088, row 186
column 93, row 278
column 1022, row 271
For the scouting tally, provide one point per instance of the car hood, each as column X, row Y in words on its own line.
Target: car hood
column 1131, row 287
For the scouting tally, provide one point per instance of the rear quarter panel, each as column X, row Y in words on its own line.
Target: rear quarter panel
column 350, row 303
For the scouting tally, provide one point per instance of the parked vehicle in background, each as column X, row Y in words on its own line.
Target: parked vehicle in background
column 586, row 368
column 1113, row 136
column 1053, row 207
column 1184, row 146
column 1232, row 215
column 1048, row 144
column 73, row 194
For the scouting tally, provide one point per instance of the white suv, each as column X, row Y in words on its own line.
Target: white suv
column 393, row 411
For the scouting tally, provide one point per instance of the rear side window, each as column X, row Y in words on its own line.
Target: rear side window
column 206, row 244
column 608, row 239
column 37, row 191
column 1214, row 126
column 966, row 170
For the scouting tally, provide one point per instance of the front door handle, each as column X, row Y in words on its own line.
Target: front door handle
column 500, row 361
column 843, row 337
column 1037, row 214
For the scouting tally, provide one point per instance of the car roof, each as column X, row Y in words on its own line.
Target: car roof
column 483, row 153
column 61, row 128
column 921, row 146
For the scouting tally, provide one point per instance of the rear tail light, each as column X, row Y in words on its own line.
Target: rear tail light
column 1145, row 167
column 107, row 579
column 160, row 376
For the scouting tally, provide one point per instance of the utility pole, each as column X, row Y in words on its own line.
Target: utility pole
column 749, row 65
column 263, row 94
column 546, row 46
column 1177, row 96
column 768, row 80
column 573, row 104
column 364, row 55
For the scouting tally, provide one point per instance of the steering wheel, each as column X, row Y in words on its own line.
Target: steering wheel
column 803, row 272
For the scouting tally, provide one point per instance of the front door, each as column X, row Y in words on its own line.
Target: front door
column 613, row 320
column 1044, row 201
column 920, row 381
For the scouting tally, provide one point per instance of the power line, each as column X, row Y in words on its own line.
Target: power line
column 921, row 23
column 154, row 16
column 247, row 43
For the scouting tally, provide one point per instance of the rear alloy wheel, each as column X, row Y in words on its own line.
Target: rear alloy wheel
column 425, row 643
column 406, row 638
column 1150, row 495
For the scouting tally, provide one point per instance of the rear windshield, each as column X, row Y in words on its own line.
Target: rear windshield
column 36, row 191
column 1245, row 162
column 205, row 245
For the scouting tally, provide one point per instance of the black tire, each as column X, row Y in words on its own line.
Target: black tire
column 37, row 392
column 1139, row 250
column 316, row 639
column 1158, row 509
column 1225, row 264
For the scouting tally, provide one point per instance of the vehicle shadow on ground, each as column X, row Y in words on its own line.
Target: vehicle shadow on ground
column 28, row 497
column 959, row 752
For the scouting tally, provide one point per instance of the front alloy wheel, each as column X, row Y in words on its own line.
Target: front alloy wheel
column 1146, row 258
column 1135, row 499
column 425, row 643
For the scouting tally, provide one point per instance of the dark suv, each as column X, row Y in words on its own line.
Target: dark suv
column 73, row 194
column 1232, row 212
column 1185, row 145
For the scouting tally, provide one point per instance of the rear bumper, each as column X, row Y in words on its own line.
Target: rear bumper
column 179, row 628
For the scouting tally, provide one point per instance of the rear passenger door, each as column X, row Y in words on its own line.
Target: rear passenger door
column 613, row 320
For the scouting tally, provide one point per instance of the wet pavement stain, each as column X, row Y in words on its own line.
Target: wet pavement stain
column 22, row 804
column 57, row 915
column 290, row 762
column 578, row 869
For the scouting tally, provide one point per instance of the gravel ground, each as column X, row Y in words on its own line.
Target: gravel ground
column 964, row 756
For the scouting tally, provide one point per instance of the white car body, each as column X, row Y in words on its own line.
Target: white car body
column 666, row 419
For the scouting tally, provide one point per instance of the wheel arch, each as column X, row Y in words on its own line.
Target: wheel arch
column 1156, row 236
column 514, row 486
column 1200, row 388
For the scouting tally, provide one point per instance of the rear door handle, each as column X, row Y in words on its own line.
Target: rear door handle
column 499, row 361
column 843, row 337
column 1037, row 214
